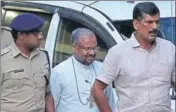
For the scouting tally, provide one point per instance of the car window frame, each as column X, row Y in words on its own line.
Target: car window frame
column 85, row 20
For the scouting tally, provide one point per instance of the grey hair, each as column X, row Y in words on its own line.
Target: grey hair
column 81, row 33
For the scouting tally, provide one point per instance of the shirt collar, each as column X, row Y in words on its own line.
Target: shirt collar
column 34, row 52
column 16, row 51
column 77, row 63
column 136, row 44
column 134, row 41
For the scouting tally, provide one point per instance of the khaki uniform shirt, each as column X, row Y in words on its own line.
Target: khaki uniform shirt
column 23, row 80
column 142, row 78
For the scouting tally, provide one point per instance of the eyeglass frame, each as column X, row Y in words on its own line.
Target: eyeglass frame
column 88, row 49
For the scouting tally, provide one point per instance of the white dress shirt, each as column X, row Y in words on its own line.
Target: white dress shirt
column 67, row 94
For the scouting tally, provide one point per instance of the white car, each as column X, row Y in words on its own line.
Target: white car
column 107, row 19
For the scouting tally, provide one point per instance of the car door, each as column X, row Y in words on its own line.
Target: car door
column 12, row 9
column 63, row 23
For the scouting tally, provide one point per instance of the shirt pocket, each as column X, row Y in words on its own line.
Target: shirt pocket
column 12, row 80
column 163, row 72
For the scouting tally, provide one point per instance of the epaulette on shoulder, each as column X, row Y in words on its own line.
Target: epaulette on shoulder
column 42, row 49
column 5, row 50
column 47, row 55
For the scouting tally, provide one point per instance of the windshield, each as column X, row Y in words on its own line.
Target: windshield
column 167, row 26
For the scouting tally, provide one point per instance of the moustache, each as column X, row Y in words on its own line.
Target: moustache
column 92, row 56
column 153, row 31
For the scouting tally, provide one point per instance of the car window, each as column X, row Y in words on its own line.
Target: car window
column 11, row 14
column 167, row 25
column 167, row 28
column 122, row 27
column 63, row 45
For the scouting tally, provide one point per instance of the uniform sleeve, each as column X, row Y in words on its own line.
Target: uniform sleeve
column 46, row 69
column 173, row 76
column 47, row 76
column 110, row 95
column 110, row 67
column 55, row 85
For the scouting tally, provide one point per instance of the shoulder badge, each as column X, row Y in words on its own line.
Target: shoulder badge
column 5, row 50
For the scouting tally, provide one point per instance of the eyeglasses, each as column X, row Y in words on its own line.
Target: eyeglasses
column 88, row 49
column 37, row 34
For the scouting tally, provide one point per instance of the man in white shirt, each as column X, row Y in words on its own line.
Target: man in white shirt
column 143, row 68
column 71, row 80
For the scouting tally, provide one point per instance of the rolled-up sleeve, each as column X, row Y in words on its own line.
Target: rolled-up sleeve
column 55, row 85
column 110, row 67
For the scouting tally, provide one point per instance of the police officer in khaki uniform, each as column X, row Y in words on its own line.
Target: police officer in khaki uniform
column 25, row 69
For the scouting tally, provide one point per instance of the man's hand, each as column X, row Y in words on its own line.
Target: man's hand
column 98, row 94
column 49, row 103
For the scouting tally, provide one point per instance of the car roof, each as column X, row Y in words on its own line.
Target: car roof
column 121, row 10
column 115, row 10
